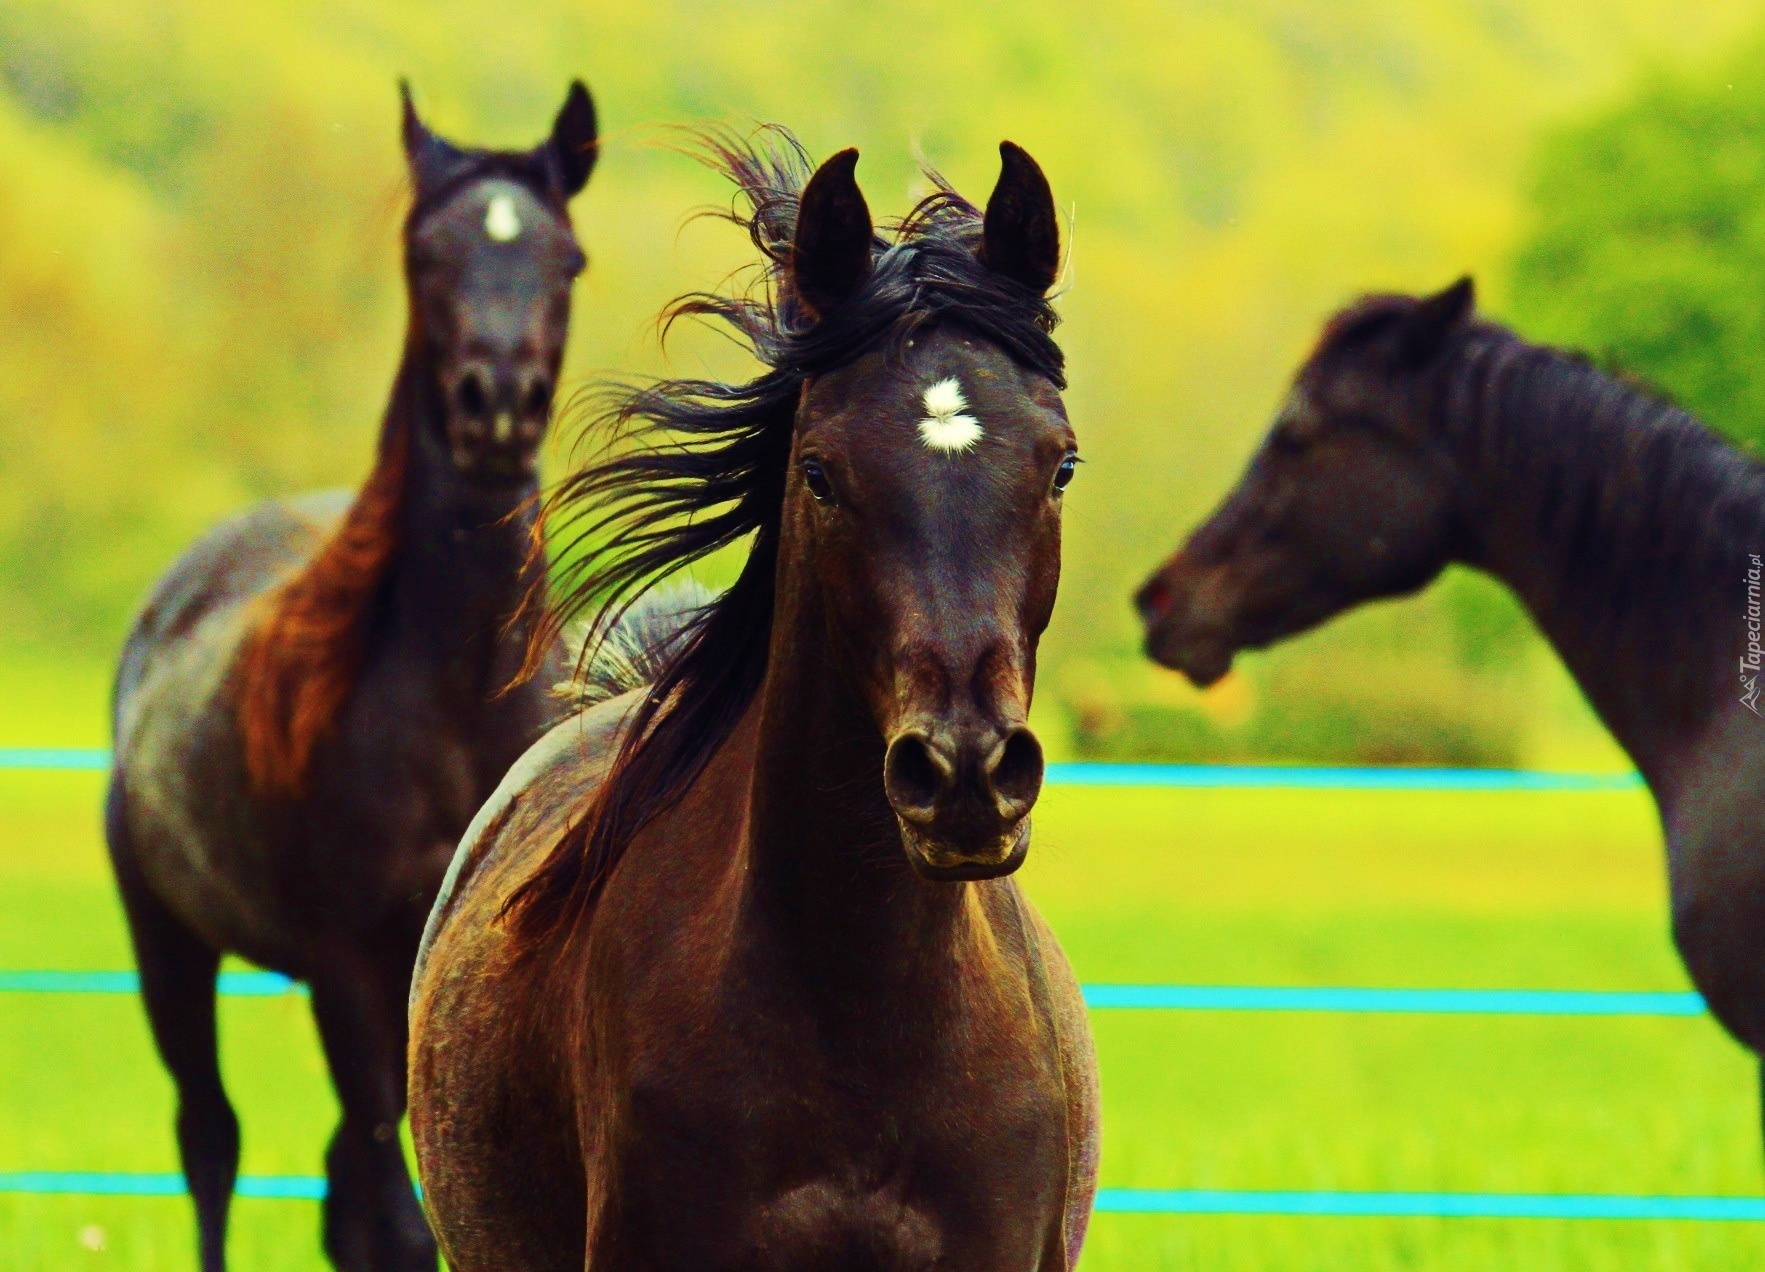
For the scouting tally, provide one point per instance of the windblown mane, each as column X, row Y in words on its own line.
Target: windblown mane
column 708, row 469
column 1640, row 510
column 1647, row 514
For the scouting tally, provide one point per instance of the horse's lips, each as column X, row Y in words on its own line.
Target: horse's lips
column 941, row 865
column 1203, row 657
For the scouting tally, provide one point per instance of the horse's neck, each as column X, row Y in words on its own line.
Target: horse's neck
column 1616, row 565
column 827, row 870
column 462, row 564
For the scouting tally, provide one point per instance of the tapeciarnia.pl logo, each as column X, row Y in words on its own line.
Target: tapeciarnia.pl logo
column 1750, row 661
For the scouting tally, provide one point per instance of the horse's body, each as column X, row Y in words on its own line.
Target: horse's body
column 1417, row 437
column 242, row 872
column 309, row 841
column 809, row 1099
column 800, row 1020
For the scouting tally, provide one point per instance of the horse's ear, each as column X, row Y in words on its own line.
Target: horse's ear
column 428, row 155
column 575, row 141
column 1021, row 238
column 1436, row 317
column 830, row 252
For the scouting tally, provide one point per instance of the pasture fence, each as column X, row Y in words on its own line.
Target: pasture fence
column 1102, row 997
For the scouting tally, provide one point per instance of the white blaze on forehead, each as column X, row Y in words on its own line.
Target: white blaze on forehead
column 501, row 222
column 947, row 426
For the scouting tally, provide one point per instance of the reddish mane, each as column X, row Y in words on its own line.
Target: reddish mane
column 305, row 647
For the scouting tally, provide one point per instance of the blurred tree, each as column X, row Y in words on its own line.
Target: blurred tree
column 199, row 287
column 1649, row 240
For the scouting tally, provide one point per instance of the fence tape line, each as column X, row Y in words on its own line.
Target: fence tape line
column 1450, row 1002
column 53, row 757
column 1256, row 998
column 1085, row 773
column 231, row 984
column 45, row 1183
column 1119, row 1201
column 1333, row 777
column 1426, row 1205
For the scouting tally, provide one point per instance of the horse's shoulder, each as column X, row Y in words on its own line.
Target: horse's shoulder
column 1065, row 1004
column 240, row 558
column 249, row 548
column 536, row 802
column 184, row 636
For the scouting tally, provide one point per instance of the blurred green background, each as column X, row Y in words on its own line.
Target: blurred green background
column 200, row 307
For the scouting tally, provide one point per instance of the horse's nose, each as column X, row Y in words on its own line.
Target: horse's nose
column 1153, row 600
column 1013, row 772
column 530, row 394
column 524, row 404
column 960, row 787
column 499, row 413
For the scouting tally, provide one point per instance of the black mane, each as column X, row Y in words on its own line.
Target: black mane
column 1649, row 515
column 709, row 469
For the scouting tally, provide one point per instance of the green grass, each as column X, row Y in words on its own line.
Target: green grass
column 47, row 700
column 1240, row 887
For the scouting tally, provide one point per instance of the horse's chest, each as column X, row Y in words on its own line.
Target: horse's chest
column 798, row 1211
column 757, row 1156
column 391, row 801
column 423, row 763
column 442, row 783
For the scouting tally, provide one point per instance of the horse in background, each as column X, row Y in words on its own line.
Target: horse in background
column 729, row 973
column 1417, row 435
column 311, row 706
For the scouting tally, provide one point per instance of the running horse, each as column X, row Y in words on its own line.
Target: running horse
column 729, row 973
column 1417, row 435
column 310, row 708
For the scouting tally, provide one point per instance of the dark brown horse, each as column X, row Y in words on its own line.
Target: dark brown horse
column 308, row 711
column 1416, row 436
column 729, row 973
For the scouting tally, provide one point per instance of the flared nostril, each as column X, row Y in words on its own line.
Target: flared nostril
column 1153, row 599
column 472, row 397
column 1016, row 772
column 536, row 403
column 916, row 776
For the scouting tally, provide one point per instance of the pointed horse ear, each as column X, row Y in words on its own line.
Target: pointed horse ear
column 575, row 141
column 428, row 155
column 1437, row 317
column 1021, row 237
column 830, row 252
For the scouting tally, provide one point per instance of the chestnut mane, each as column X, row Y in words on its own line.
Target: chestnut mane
column 306, row 645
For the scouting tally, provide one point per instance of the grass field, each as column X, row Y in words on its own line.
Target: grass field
column 1231, row 887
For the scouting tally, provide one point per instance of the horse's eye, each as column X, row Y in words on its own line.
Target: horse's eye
column 1064, row 474
column 815, row 477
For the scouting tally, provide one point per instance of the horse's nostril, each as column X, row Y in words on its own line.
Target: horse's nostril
column 1017, row 772
column 473, row 399
column 914, row 775
column 538, row 399
column 1153, row 599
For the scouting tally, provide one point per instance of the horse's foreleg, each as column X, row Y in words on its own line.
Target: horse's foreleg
column 178, row 989
column 372, row 1220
